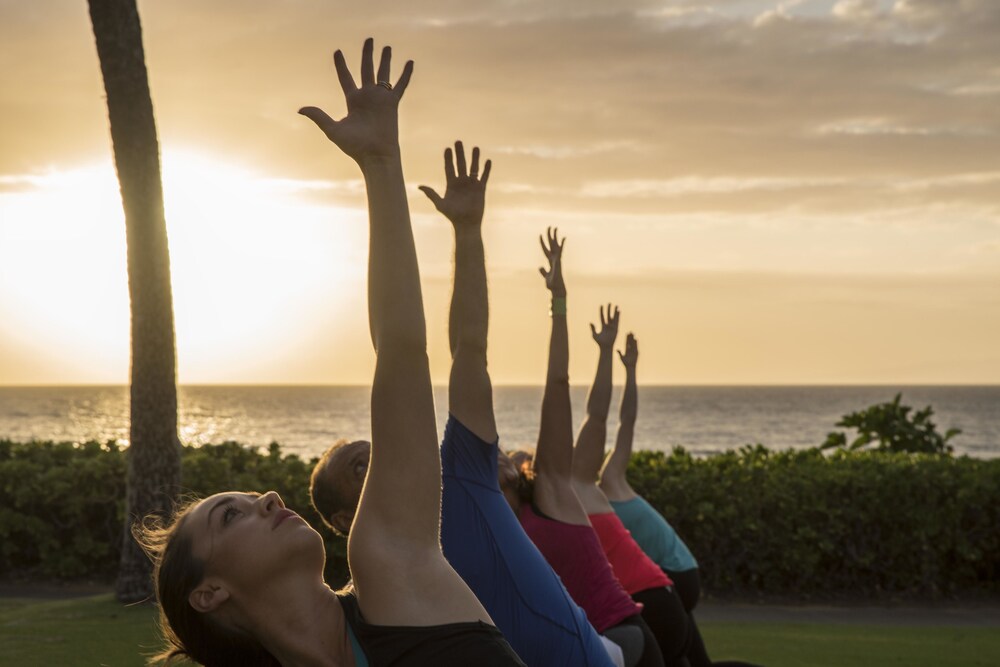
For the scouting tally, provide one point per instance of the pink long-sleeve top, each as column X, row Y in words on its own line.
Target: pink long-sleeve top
column 631, row 565
column 575, row 553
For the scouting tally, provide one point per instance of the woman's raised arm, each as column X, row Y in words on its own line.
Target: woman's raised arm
column 588, row 454
column 394, row 552
column 613, row 480
column 553, row 462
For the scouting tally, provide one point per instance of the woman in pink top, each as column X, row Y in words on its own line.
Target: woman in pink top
column 553, row 517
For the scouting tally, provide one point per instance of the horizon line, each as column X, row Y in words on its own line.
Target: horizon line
column 311, row 385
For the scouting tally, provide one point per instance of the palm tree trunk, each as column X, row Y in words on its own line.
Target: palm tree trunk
column 154, row 452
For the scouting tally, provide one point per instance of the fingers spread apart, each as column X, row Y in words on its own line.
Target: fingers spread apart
column 368, row 77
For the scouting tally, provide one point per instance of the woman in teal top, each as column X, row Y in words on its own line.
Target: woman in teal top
column 654, row 535
column 649, row 529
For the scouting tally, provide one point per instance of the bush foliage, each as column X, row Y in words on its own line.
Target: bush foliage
column 805, row 523
column 62, row 505
column 778, row 523
column 889, row 427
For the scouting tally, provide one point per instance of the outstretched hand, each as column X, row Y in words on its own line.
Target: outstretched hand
column 553, row 252
column 631, row 354
column 609, row 327
column 371, row 127
column 465, row 191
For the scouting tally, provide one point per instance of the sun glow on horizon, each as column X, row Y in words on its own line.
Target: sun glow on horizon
column 251, row 260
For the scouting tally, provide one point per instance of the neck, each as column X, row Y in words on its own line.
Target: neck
column 301, row 626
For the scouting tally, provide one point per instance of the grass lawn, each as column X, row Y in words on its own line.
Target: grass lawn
column 97, row 631
column 826, row 645
column 80, row 631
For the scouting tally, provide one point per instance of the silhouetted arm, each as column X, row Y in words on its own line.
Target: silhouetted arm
column 404, row 436
column 613, row 481
column 470, row 393
column 394, row 552
column 589, row 452
column 554, row 454
column 553, row 462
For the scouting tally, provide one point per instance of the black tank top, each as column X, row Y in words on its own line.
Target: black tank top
column 451, row 645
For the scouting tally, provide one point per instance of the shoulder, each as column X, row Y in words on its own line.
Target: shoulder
column 396, row 580
column 465, row 454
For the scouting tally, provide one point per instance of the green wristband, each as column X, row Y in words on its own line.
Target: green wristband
column 558, row 306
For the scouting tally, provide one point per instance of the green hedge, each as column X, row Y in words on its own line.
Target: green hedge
column 851, row 523
column 62, row 505
column 802, row 524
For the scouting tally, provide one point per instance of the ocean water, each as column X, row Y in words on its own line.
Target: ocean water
column 306, row 420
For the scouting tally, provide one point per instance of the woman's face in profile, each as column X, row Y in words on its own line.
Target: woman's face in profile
column 248, row 540
column 347, row 470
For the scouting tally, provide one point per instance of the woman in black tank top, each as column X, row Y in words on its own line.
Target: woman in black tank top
column 239, row 577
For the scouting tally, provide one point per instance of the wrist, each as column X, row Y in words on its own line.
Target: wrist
column 373, row 163
column 467, row 227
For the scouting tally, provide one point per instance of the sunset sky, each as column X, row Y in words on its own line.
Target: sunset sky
column 774, row 192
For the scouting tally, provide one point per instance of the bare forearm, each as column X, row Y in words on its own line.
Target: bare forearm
column 468, row 322
column 555, row 437
column 599, row 399
column 589, row 453
column 630, row 398
column 395, row 304
column 617, row 463
column 404, row 459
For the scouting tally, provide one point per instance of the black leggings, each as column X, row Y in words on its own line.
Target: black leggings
column 663, row 612
column 650, row 655
column 688, row 587
column 676, row 632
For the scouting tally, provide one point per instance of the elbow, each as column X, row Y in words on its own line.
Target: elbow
column 470, row 347
column 597, row 416
column 557, row 379
column 401, row 343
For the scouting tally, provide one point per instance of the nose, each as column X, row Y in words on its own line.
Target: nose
column 270, row 502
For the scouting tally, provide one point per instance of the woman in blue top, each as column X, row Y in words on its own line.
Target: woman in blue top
column 239, row 577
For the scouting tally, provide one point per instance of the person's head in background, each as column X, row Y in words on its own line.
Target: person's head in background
column 336, row 482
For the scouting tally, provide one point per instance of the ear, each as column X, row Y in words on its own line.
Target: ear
column 207, row 597
column 342, row 521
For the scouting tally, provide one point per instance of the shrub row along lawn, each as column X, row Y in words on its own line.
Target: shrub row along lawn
column 98, row 631
column 797, row 524
column 809, row 524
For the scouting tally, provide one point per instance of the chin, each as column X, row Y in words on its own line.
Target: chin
column 305, row 548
